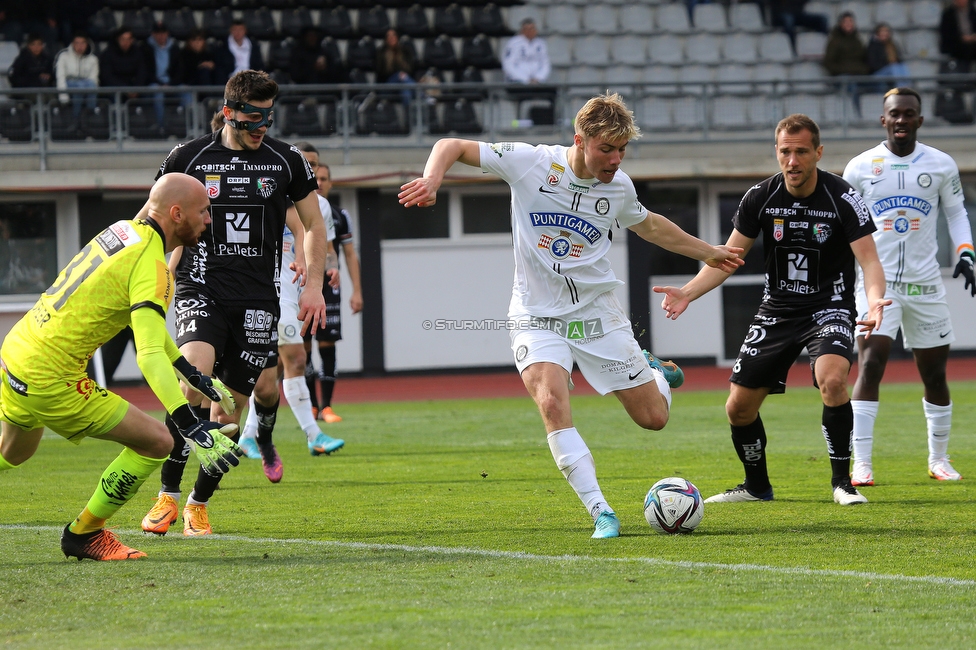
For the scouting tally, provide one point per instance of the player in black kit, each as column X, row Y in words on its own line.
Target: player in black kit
column 814, row 225
column 227, row 286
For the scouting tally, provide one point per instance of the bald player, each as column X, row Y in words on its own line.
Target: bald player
column 119, row 279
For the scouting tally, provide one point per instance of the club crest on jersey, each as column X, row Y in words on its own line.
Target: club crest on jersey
column 561, row 246
column 821, row 232
column 266, row 186
column 877, row 166
column 213, row 185
column 778, row 229
column 555, row 174
column 924, row 180
column 901, row 224
column 602, row 206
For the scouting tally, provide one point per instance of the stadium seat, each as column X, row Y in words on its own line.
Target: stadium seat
column 623, row 78
column 654, row 113
column 362, row 54
column 810, row 46
column 767, row 113
column 827, row 8
column 922, row 44
column 871, row 106
column 412, row 21
column 770, row 78
column 730, row 112
column 808, row 77
column 216, row 22
column 837, row 110
column 563, row 19
column 16, row 122
column 560, row 50
column 174, row 119
column 672, row 18
column 336, row 23
column 140, row 120
column 591, row 50
column 381, row 117
column 488, row 20
column 374, row 22
column 460, row 117
column 926, row 14
column 666, row 48
column 695, row 78
column 477, row 51
column 863, row 11
column 629, row 50
column 140, row 21
column 260, row 24
column 587, row 79
column 703, row 48
column 450, row 21
column 439, row 53
column 62, row 123
column 661, row 79
column 740, row 48
column 201, row 5
column 295, row 21
column 279, row 56
column 923, row 75
column 746, row 17
column 102, row 25
column 734, row 79
column 179, row 22
column 636, row 19
column 518, row 13
column 775, row 47
column 894, row 12
column 600, row 19
column 804, row 103
column 710, row 17
column 301, row 117
column 687, row 112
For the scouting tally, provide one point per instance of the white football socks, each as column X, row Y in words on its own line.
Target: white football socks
column 574, row 460
column 251, row 422
column 865, row 413
column 296, row 392
column 662, row 385
column 938, row 420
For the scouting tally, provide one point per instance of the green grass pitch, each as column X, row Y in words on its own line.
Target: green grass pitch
column 446, row 524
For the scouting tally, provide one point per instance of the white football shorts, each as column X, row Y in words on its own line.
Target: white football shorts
column 289, row 327
column 921, row 311
column 598, row 337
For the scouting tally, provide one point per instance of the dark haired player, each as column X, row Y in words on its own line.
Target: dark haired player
column 227, row 285
column 906, row 184
column 813, row 225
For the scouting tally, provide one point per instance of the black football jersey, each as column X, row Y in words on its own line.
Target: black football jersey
column 238, row 257
column 808, row 258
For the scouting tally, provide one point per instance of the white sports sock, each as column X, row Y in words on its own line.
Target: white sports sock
column 176, row 495
column 191, row 501
column 865, row 413
column 296, row 392
column 574, row 460
column 938, row 420
column 251, row 422
column 662, row 385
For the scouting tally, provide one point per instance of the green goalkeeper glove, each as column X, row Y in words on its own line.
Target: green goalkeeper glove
column 210, row 387
column 216, row 452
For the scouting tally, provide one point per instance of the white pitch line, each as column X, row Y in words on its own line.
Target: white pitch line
column 534, row 557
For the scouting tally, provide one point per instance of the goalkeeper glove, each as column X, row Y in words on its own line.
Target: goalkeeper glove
column 964, row 267
column 217, row 453
column 210, row 387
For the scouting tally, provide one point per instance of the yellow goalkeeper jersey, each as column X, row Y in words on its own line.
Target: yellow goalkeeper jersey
column 120, row 270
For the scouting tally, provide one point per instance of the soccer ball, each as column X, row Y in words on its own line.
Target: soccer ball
column 673, row 505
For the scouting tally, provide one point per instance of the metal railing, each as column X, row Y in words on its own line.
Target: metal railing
column 368, row 116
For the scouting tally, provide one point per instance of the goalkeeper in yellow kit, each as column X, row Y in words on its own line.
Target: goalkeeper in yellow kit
column 119, row 279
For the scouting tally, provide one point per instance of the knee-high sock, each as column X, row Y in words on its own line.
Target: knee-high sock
column 838, row 431
column 251, row 421
column 120, row 481
column 750, row 445
column 662, row 385
column 4, row 464
column 574, row 460
column 310, row 377
column 865, row 413
column 296, row 392
column 267, row 416
column 938, row 421
column 328, row 377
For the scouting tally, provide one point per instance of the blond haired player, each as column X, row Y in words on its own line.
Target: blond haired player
column 565, row 201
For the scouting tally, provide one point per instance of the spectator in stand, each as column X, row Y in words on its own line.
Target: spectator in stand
column 846, row 55
column 790, row 14
column 163, row 64
column 957, row 32
column 526, row 58
column 237, row 53
column 122, row 63
column 395, row 65
column 76, row 66
column 33, row 67
column 37, row 17
column 197, row 62
column 309, row 63
column 884, row 59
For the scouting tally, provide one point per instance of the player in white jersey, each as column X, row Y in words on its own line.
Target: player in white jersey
column 291, row 348
column 565, row 201
column 906, row 184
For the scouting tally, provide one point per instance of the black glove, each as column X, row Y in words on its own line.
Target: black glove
column 964, row 267
column 210, row 387
column 217, row 453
